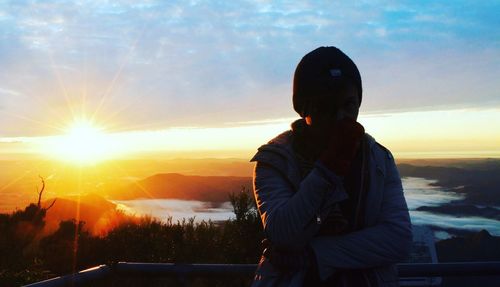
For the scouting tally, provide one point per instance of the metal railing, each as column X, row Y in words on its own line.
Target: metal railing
column 184, row 271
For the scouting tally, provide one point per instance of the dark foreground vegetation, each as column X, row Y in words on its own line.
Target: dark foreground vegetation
column 28, row 256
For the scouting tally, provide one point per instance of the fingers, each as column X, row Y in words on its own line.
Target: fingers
column 350, row 128
column 344, row 143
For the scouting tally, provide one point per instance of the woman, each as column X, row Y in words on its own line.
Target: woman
column 329, row 196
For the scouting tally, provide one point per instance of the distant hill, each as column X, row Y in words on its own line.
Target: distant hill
column 18, row 178
column 187, row 187
column 466, row 163
column 478, row 180
column 98, row 214
column 463, row 210
column 480, row 246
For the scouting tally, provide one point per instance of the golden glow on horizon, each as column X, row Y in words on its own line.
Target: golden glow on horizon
column 431, row 134
column 438, row 134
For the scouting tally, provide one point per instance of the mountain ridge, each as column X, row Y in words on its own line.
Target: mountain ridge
column 187, row 187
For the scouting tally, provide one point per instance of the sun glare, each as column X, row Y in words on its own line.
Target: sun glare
column 84, row 143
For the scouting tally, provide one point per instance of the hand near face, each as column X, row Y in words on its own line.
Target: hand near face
column 344, row 141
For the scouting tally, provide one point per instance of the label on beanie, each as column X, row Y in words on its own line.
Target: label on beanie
column 335, row 73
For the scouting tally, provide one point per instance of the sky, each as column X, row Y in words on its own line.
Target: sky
column 216, row 75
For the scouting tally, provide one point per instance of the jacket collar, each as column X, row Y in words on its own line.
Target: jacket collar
column 279, row 153
column 282, row 145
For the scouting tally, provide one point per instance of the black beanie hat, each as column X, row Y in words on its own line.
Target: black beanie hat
column 320, row 71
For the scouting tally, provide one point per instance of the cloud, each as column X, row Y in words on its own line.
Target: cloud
column 9, row 92
column 191, row 63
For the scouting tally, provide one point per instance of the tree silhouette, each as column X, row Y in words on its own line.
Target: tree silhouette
column 18, row 242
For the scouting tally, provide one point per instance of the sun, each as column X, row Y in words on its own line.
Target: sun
column 83, row 143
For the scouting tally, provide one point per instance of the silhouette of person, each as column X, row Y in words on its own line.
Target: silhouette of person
column 329, row 196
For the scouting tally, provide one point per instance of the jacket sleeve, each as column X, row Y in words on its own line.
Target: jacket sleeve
column 289, row 216
column 387, row 242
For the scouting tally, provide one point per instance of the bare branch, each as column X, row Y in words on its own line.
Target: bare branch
column 51, row 204
column 40, row 193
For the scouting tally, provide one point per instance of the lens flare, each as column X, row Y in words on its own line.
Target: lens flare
column 84, row 143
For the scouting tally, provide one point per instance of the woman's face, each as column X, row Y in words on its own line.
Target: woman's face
column 345, row 104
